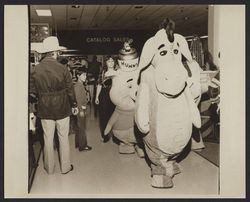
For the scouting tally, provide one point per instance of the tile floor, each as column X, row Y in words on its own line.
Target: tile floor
column 103, row 172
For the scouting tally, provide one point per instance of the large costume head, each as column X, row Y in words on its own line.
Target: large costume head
column 164, row 52
column 124, row 83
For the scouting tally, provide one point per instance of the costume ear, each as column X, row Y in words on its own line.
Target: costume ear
column 147, row 54
column 184, row 47
column 146, row 57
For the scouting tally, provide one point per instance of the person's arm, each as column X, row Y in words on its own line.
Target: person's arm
column 69, row 88
column 81, row 98
column 99, row 86
column 32, row 89
column 98, row 91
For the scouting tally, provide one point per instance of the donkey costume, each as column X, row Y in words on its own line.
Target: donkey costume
column 165, row 105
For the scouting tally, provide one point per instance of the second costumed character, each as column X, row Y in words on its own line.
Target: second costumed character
column 122, row 94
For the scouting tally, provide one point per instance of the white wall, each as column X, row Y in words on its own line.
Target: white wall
column 228, row 39
column 15, row 101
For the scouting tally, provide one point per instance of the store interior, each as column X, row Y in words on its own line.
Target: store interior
column 101, row 30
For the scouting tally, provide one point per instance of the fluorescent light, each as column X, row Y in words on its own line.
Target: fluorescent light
column 203, row 37
column 43, row 12
column 75, row 6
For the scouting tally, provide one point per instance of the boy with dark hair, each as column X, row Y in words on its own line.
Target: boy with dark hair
column 81, row 97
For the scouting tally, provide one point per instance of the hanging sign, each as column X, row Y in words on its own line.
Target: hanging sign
column 106, row 39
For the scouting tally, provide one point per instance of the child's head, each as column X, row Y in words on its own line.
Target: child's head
column 82, row 77
column 81, row 74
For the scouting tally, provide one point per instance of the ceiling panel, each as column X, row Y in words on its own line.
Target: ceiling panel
column 140, row 18
column 122, row 16
column 113, row 20
column 41, row 6
column 127, row 18
column 59, row 16
column 73, row 16
column 103, row 13
column 88, row 15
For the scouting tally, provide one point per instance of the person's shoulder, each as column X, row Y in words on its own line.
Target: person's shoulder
column 37, row 67
column 63, row 67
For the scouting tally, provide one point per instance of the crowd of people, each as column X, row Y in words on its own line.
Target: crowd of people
column 66, row 87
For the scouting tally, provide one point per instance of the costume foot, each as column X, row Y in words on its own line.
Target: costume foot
column 87, row 148
column 162, row 181
column 106, row 138
column 139, row 151
column 72, row 168
column 172, row 168
column 176, row 168
column 126, row 149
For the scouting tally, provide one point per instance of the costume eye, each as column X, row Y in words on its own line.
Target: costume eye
column 162, row 53
column 176, row 51
column 129, row 83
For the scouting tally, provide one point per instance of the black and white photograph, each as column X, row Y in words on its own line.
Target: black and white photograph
column 124, row 100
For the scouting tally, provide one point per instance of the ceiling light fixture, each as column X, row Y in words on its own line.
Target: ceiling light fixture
column 75, row 6
column 43, row 12
column 204, row 37
column 73, row 18
column 138, row 7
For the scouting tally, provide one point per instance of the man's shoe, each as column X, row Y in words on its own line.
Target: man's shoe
column 87, row 148
column 72, row 168
column 106, row 138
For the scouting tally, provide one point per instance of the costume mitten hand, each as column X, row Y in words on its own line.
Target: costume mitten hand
column 144, row 128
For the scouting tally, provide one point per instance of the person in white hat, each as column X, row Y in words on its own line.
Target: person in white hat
column 51, row 83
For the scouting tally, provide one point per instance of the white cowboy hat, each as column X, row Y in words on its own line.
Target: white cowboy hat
column 36, row 46
column 50, row 44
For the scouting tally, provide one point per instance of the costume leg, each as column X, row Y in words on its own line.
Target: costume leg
column 126, row 148
column 162, row 168
column 139, row 151
column 64, row 152
column 49, row 155
column 127, row 140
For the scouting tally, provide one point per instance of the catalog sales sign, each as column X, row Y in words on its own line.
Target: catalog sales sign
column 102, row 42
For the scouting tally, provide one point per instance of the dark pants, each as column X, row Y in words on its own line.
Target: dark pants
column 80, row 134
column 106, row 108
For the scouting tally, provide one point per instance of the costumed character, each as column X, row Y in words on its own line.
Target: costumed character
column 122, row 94
column 165, row 107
